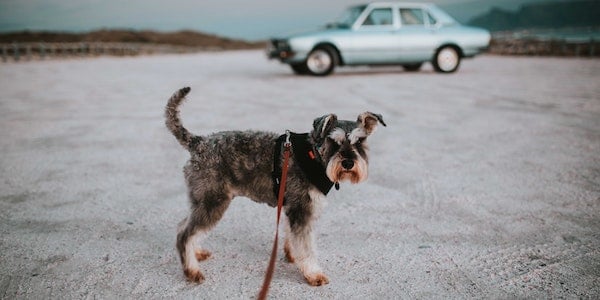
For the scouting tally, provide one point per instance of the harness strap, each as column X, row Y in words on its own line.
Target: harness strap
column 306, row 158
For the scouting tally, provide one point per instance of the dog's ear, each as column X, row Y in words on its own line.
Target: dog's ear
column 323, row 125
column 368, row 121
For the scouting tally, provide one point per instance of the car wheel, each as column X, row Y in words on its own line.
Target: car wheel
column 321, row 61
column 446, row 60
column 412, row 67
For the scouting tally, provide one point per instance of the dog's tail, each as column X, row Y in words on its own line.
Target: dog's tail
column 173, row 122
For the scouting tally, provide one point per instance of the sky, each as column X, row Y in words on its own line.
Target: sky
column 249, row 20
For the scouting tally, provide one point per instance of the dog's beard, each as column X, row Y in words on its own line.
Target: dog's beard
column 337, row 173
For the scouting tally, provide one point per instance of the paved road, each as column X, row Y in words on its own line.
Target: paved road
column 485, row 184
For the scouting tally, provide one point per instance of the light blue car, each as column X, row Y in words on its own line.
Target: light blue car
column 383, row 33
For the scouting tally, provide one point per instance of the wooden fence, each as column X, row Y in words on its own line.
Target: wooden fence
column 499, row 45
column 545, row 47
column 37, row 51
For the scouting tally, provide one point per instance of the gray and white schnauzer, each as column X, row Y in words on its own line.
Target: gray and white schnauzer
column 227, row 164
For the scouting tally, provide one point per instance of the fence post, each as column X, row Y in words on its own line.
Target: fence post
column 28, row 52
column 591, row 49
column 16, row 51
column 86, row 49
column 42, row 51
column 4, row 53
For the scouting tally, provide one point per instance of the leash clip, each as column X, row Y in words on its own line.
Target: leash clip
column 287, row 143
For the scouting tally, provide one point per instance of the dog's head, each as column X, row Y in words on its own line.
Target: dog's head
column 342, row 145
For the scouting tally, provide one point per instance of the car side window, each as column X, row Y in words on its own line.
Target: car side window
column 379, row 17
column 412, row 16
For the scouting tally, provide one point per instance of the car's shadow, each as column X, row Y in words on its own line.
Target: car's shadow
column 360, row 71
column 379, row 71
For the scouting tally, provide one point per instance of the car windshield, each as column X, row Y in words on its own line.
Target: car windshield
column 347, row 19
column 441, row 16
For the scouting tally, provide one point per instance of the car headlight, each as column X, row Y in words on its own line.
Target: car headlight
column 280, row 44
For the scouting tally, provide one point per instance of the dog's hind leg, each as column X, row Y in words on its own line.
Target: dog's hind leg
column 185, row 246
column 205, row 214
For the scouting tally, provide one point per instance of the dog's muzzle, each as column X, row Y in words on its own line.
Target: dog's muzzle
column 347, row 164
column 341, row 169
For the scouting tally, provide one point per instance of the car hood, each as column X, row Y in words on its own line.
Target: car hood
column 323, row 31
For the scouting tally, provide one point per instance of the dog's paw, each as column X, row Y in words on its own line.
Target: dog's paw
column 194, row 275
column 316, row 279
column 202, row 254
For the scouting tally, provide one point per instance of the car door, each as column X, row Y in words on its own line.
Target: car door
column 372, row 38
column 417, row 35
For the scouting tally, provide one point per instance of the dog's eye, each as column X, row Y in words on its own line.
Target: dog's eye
column 360, row 141
column 333, row 146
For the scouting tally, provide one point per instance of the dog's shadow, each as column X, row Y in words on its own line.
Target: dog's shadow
column 254, row 251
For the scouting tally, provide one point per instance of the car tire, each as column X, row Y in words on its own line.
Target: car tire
column 321, row 61
column 299, row 69
column 412, row 67
column 446, row 60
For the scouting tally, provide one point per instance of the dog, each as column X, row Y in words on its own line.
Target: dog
column 227, row 164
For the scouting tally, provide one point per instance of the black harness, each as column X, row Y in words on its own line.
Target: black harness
column 305, row 158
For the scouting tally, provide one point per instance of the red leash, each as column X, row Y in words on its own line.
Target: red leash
column 270, row 270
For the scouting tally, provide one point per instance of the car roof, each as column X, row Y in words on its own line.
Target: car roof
column 440, row 14
column 394, row 3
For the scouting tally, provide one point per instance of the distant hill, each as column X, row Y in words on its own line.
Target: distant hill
column 575, row 13
column 179, row 38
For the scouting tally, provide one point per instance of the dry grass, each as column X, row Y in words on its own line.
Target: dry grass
column 180, row 38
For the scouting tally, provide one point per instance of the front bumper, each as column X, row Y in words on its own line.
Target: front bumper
column 279, row 49
column 467, row 53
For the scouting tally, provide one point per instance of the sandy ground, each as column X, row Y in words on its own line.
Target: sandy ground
column 485, row 184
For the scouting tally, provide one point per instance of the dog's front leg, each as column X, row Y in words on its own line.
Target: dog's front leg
column 300, row 242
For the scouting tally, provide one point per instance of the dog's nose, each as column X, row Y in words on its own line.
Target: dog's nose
column 347, row 164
